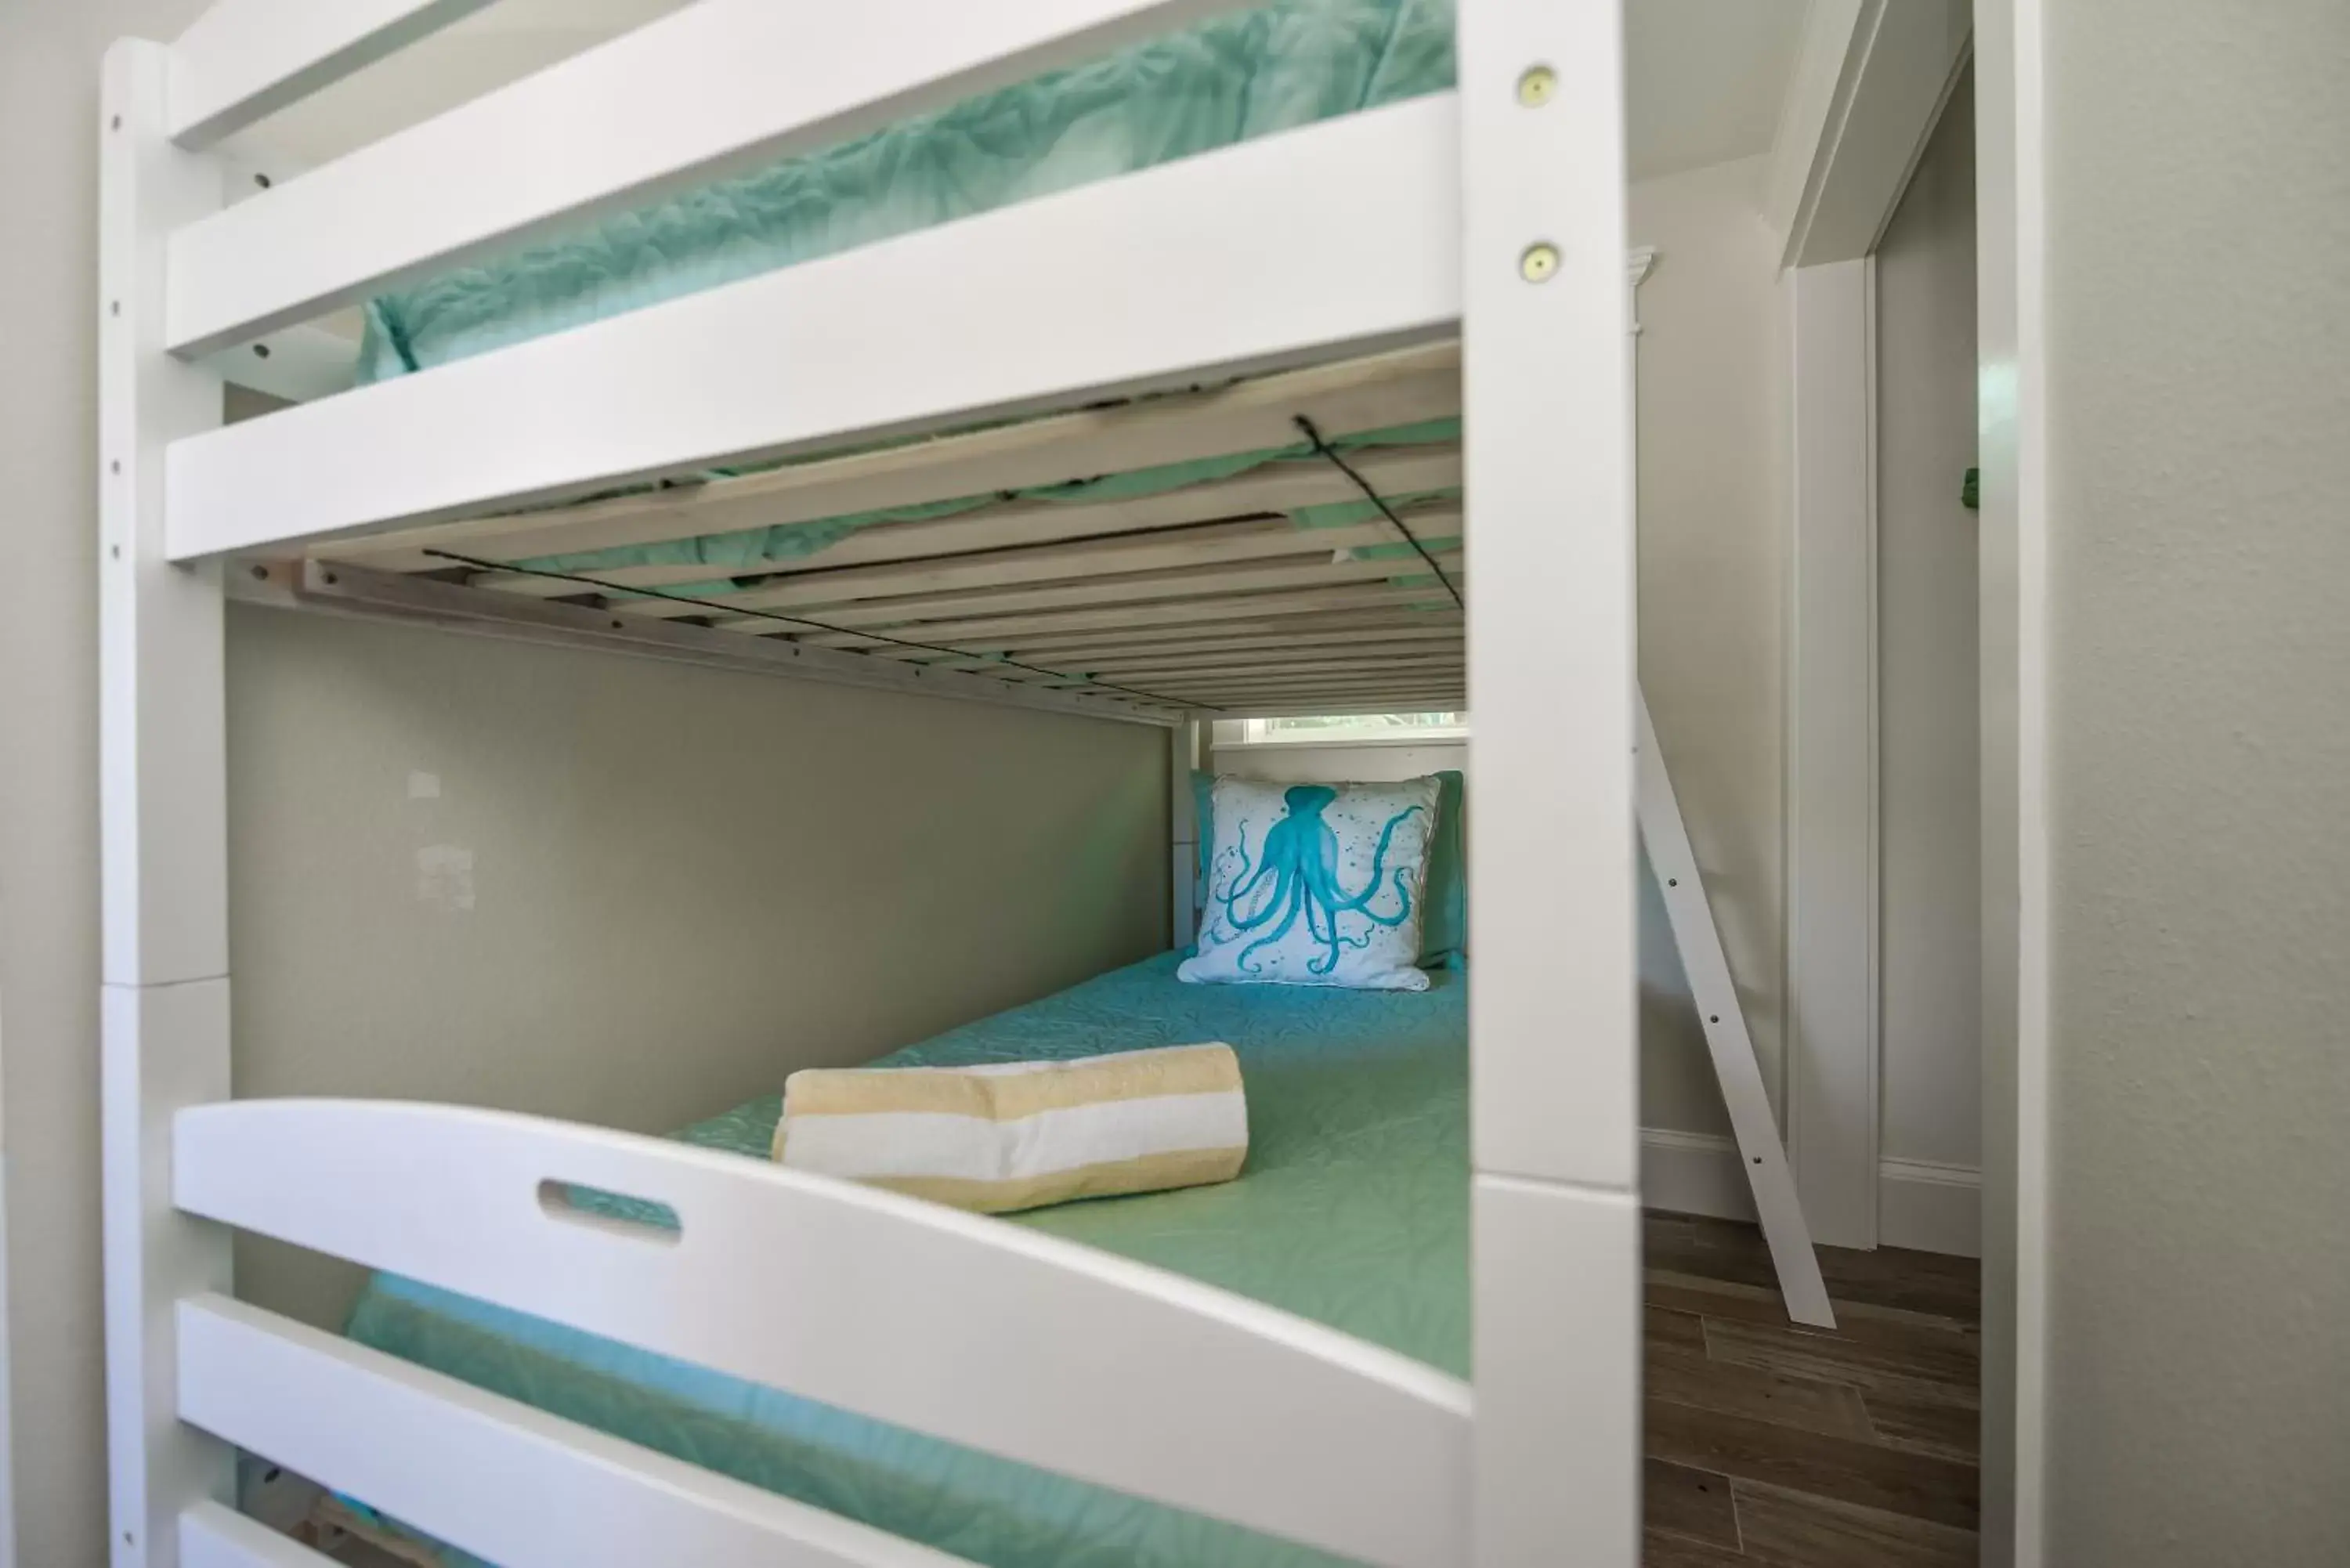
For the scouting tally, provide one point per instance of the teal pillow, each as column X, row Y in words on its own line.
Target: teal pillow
column 1444, row 925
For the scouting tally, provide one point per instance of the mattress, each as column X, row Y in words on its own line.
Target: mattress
column 1232, row 77
column 1353, row 1210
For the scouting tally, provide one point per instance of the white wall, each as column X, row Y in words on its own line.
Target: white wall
column 1928, row 795
column 2199, row 780
column 1713, row 566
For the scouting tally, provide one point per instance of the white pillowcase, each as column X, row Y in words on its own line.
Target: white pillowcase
column 1315, row 884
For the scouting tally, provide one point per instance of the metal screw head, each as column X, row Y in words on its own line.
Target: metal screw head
column 1539, row 262
column 1536, row 85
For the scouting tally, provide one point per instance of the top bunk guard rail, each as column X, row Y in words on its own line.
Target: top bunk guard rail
column 1048, row 1352
column 1332, row 240
column 244, row 60
column 713, row 89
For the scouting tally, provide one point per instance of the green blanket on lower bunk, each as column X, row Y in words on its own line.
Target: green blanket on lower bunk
column 1353, row 1210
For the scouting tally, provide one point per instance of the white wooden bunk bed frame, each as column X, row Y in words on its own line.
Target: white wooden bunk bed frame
column 1494, row 212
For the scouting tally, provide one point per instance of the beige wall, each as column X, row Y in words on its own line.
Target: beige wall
column 1928, row 770
column 881, row 866
column 2198, row 315
column 1713, row 567
column 634, row 893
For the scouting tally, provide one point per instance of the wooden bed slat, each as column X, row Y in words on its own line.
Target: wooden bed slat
column 1369, row 392
column 1326, row 628
column 1178, row 686
column 1386, row 688
column 1214, row 544
column 1278, row 487
column 990, row 631
column 1128, row 589
column 1393, row 667
column 1332, row 708
column 1206, row 656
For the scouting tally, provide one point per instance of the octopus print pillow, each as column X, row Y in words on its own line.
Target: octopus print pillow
column 1315, row 884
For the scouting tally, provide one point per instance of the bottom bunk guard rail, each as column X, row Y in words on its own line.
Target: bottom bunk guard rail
column 970, row 1329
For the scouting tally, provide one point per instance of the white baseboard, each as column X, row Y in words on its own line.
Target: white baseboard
column 1921, row 1205
column 1928, row 1207
column 1693, row 1173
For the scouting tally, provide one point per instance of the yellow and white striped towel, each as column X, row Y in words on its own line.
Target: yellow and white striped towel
column 1019, row 1134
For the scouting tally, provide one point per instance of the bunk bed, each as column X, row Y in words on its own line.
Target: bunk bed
column 1154, row 438
column 1354, row 1213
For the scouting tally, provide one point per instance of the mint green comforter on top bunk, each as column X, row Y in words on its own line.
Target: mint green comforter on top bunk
column 1233, row 78
column 1353, row 1209
column 1229, row 79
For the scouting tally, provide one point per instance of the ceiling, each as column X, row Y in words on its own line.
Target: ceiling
column 1704, row 77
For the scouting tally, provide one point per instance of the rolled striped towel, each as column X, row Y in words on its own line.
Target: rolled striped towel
column 1020, row 1135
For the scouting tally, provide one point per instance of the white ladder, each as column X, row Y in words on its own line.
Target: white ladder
column 1760, row 1153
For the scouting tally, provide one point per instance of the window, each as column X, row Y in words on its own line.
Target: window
column 1354, row 729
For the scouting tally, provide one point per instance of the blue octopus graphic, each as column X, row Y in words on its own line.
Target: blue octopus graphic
column 1300, row 856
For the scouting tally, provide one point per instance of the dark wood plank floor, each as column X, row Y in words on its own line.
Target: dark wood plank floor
column 1798, row 1448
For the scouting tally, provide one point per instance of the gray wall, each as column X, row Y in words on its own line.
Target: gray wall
column 880, row 866
column 2198, row 384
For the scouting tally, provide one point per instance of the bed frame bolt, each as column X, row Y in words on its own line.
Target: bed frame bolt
column 1539, row 263
column 1535, row 87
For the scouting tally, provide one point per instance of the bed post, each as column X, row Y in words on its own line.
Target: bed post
column 1553, row 1048
column 1187, row 745
column 164, row 1007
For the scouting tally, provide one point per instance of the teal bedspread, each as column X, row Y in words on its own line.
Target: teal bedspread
column 1235, row 76
column 1353, row 1209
